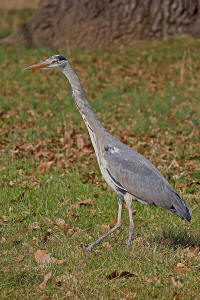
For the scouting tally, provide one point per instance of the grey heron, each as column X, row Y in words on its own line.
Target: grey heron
column 127, row 172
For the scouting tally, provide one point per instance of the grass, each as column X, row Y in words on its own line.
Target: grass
column 148, row 96
column 11, row 19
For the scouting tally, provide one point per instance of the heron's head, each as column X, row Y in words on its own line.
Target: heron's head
column 54, row 62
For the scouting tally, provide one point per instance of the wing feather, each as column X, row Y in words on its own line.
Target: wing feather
column 139, row 177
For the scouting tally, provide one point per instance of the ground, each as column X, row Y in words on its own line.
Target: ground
column 54, row 201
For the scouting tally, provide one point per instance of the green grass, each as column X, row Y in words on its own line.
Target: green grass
column 148, row 96
column 11, row 19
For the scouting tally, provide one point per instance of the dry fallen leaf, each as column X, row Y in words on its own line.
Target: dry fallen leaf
column 104, row 228
column 175, row 283
column 28, row 246
column 107, row 245
column 45, row 166
column 180, row 268
column 113, row 220
column 76, row 205
column 126, row 294
column 60, row 222
column 5, row 218
column 70, row 231
column 42, row 285
column 34, row 225
column 60, row 261
column 3, row 240
column 113, row 275
column 123, row 274
column 155, row 280
column 19, row 258
column 92, row 212
column 192, row 251
column 126, row 274
column 42, row 256
column 167, row 241
column 79, row 141
column 84, row 202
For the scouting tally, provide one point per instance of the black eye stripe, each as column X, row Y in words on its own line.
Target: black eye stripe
column 59, row 57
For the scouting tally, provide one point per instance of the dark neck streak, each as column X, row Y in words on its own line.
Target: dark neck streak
column 89, row 117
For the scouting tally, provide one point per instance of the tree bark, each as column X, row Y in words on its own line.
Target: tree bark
column 80, row 24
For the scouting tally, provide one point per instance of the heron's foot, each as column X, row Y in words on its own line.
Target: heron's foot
column 88, row 249
column 116, row 227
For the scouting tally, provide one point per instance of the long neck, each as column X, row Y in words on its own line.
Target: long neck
column 89, row 117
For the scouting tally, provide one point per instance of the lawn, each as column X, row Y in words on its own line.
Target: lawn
column 54, row 201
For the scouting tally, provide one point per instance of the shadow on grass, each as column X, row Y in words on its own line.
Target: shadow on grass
column 178, row 239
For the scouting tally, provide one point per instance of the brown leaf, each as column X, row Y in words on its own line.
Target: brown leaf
column 61, row 279
column 180, row 268
column 180, row 265
column 35, row 225
column 46, row 235
column 28, row 246
column 11, row 183
column 19, row 258
column 107, row 245
column 113, row 275
column 175, row 283
column 60, row 261
column 44, row 167
column 126, row 274
column 86, row 202
column 126, row 294
column 79, row 141
column 113, row 220
column 70, row 231
column 167, row 241
column 87, row 149
column 42, row 285
column 92, row 212
column 41, row 155
column 60, row 222
column 104, row 228
column 155, row 280
column 5, row 218
column 76, row 205
column 42, row 256
column 192, row 251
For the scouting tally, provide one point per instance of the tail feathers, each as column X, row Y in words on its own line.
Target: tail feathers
column 180, row 208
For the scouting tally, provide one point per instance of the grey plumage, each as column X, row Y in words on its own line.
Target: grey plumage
column 127, row 172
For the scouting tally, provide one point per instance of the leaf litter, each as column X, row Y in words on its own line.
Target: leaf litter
column 76, row 144
column 117, row 275
column 42, row 285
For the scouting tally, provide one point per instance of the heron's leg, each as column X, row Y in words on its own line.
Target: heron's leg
column 128, row 201
column 117, row 226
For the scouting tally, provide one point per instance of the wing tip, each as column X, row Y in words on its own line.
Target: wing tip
column 182, row 210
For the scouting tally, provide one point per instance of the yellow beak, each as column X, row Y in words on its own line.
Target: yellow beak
column 37, row 66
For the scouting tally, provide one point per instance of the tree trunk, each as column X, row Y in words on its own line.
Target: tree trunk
column 83, row 24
